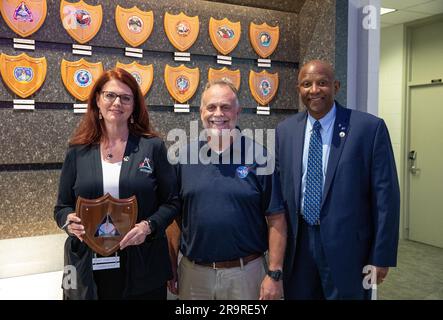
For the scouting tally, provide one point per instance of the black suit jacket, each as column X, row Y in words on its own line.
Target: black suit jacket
column 147, row 265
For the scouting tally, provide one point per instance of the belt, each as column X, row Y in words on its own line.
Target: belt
column 230, row 263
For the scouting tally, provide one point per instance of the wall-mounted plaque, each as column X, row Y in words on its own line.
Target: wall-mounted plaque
column 182, row 82
column 24, row 17
column 225, row 74
column 23, row 74
column 135, row 26
column 224, row 34
column 263, row 85
column 81, row 21
column 144, row 74
column 264, row 38
column 79, row 77
column 181, row 30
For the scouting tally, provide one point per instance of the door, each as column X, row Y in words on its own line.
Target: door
column 426, row 164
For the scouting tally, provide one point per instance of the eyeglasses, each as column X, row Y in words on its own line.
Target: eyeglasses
column 110, row 97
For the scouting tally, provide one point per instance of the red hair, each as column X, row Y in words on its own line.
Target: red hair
column 91, row 130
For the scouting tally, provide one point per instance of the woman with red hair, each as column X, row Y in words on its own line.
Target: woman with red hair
column 114, row 150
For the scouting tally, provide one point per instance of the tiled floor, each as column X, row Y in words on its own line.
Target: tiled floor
column 419, row 275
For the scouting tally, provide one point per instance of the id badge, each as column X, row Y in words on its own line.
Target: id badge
column 104, row 263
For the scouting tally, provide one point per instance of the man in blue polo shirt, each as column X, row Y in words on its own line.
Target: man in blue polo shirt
column 232, row 211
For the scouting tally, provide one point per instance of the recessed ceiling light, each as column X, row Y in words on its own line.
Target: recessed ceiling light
column 386, row 10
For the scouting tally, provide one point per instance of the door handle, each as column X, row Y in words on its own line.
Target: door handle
column 415, row 170
column 413, row 157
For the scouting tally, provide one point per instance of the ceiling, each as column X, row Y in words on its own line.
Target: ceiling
column 409, row 10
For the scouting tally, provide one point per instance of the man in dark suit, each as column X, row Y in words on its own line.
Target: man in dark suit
column 340, row 186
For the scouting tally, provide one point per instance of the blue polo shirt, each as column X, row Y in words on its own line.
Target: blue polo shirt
column 225, row 204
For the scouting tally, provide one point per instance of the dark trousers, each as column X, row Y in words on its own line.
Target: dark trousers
column 111, row 284
column 311, row 276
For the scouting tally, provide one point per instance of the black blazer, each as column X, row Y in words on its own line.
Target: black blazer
column 148, row 265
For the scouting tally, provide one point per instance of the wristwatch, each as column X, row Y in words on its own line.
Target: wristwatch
column 275, row 274
column 152, row 225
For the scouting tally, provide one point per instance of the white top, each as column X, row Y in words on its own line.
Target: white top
column 111, row 178
column 326, row 136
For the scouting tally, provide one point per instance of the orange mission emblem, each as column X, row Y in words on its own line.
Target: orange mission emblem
column 224, row 73
column 143, row 74
column 264, row 38
column 24, row 17
column 80, row 20
column 181, row 82
column 79, row 77
column 181, row 30
column 263, row 86
column 23, row 74
column 135, row 26
column 224, row 34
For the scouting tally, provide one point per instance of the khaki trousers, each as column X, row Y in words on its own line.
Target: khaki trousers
column 198, row 282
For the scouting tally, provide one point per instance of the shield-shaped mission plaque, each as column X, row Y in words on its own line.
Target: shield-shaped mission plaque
column 181, row 82
column 106, row 220
column 143, row 74
column 181, row 30
column 79, row 77
column 264, row 38
column 224, row 34
column 23, row 74
column 263, row 86
column 81, row 21
column 135, row 26
column 225, row 74
column 24, row 17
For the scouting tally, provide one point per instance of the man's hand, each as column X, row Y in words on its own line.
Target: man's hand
column 271, row 289
column 381, row 273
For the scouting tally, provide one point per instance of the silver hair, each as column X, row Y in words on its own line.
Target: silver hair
column 221, row 82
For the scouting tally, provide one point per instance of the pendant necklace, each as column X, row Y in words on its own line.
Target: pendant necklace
column 109, row 154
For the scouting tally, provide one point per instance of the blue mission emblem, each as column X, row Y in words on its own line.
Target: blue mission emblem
column 22, row 13
column 137, row 77
column 82, row 78
column 23, row 74
column 265, row 87
column 242, row 172
column 182, row 84
column 265, row 39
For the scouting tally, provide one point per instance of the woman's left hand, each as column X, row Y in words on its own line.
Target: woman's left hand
column 136, row 235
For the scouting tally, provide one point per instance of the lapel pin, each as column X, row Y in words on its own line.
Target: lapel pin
column 126, row 158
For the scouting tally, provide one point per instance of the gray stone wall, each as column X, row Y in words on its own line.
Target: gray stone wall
column 33, row 143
